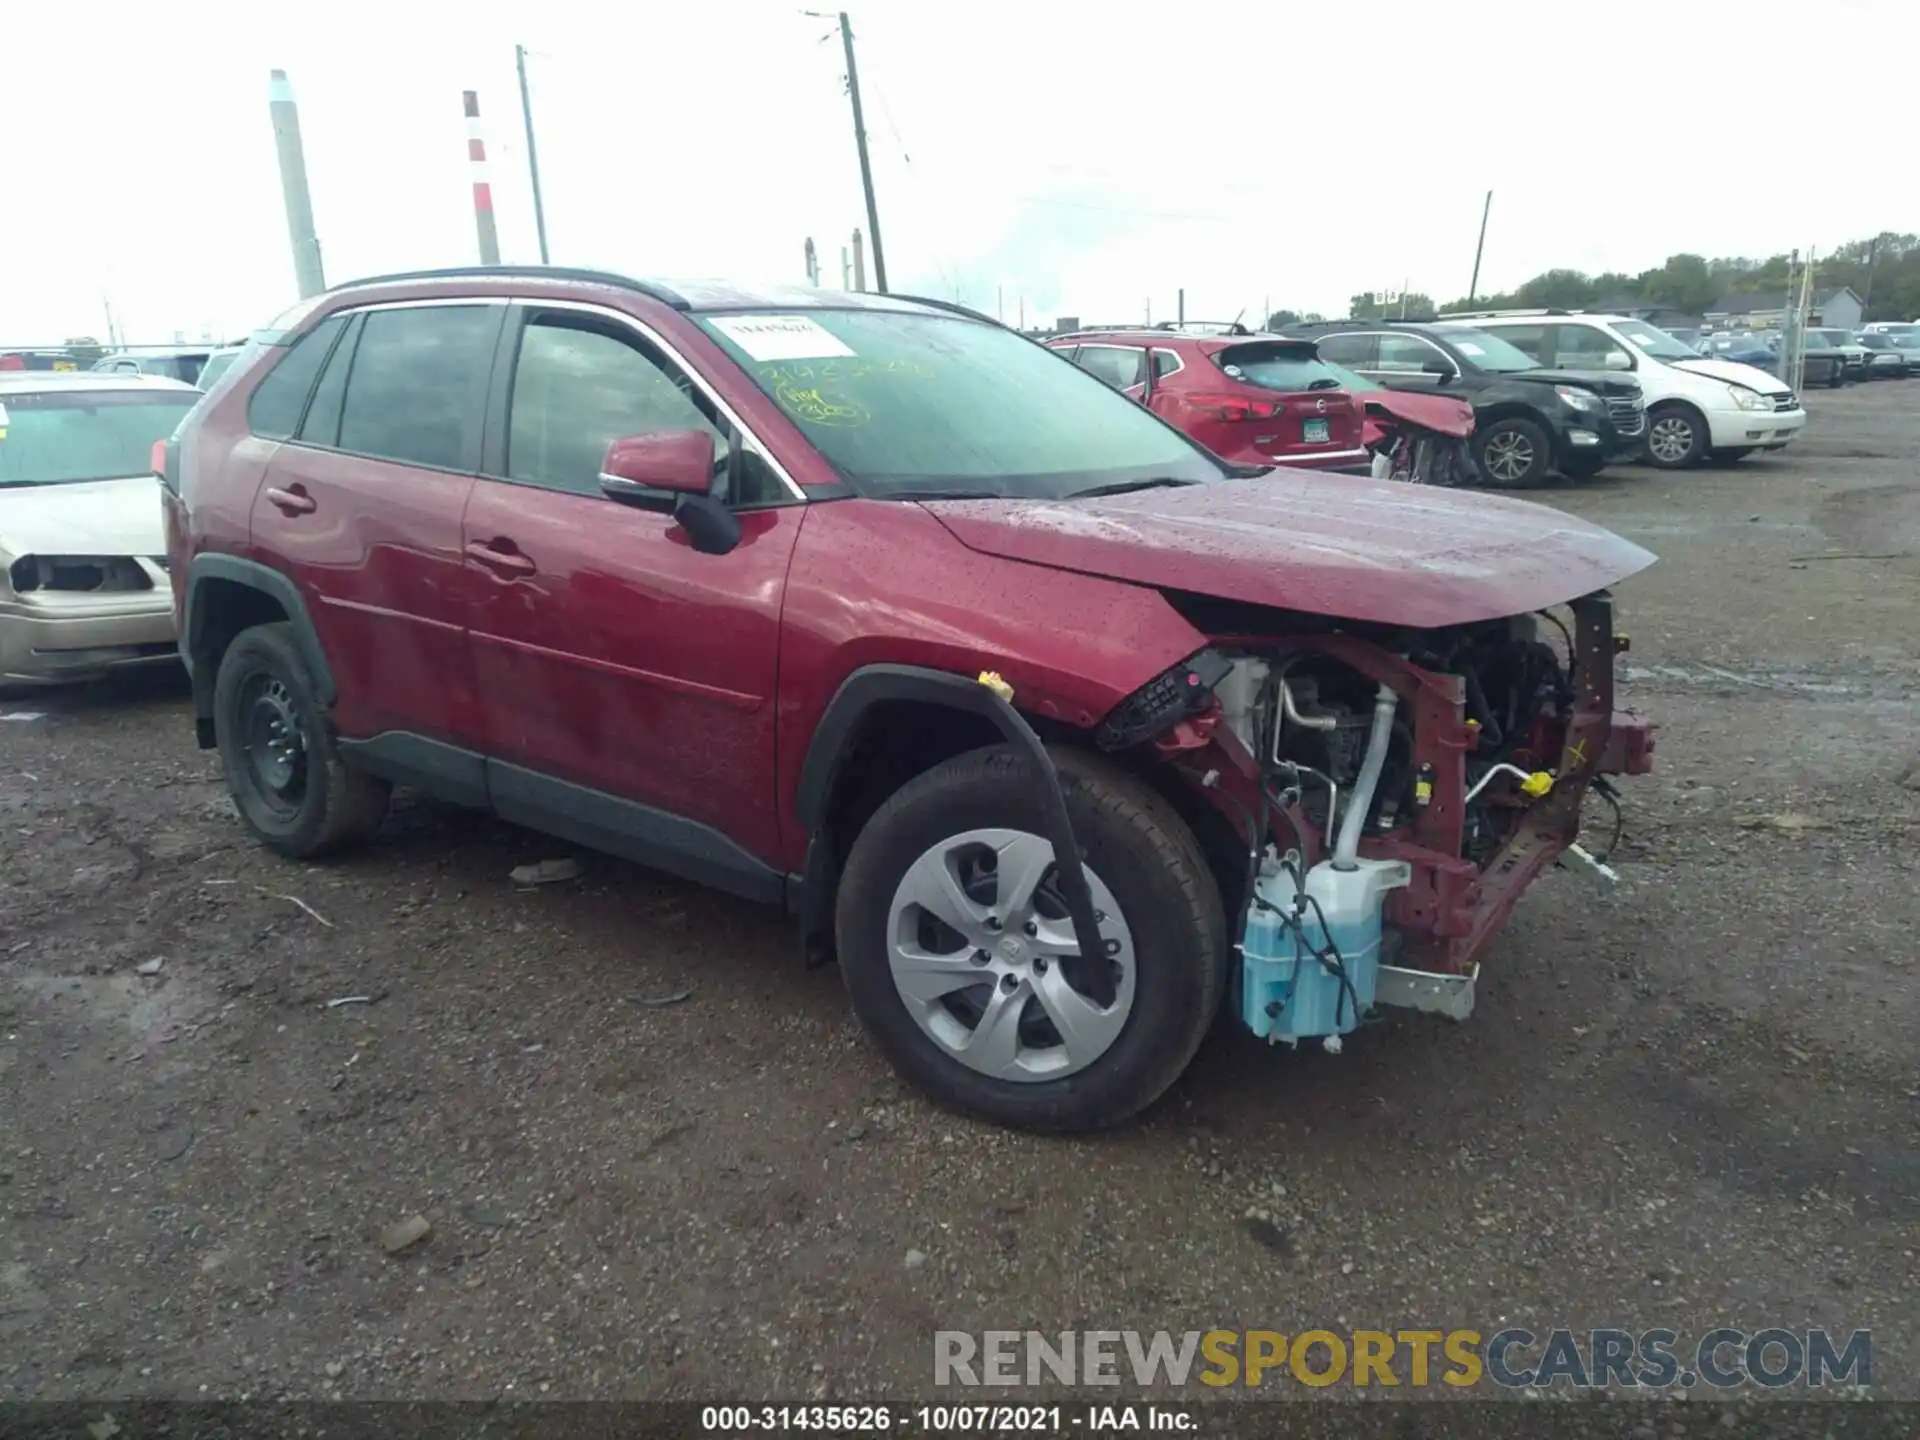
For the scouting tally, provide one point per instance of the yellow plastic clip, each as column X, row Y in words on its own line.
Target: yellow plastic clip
column 991, row 679
column 1423, row 792
column 1537, row 784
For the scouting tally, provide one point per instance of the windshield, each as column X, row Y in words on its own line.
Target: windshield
column 916, row 405
column 1488, row 351
column 1277, row 365
column 54, row 438
column 1654, row 343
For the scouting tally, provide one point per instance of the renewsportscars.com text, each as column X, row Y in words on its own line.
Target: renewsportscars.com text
column 1510, row 1359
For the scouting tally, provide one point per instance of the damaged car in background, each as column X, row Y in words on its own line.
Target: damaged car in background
column 1059, row 732
column 83, row 586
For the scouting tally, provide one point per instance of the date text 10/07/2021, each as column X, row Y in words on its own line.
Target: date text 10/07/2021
column 949, row 1419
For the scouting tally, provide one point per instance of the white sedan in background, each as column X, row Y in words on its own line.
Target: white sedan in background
column 83, row 581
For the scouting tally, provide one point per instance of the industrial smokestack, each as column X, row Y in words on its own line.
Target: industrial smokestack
column 293, row 186
column 482, row 191
column 859, row 262
column 813, row 263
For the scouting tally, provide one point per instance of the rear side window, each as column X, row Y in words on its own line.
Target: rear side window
column 1119, row 366
column 322, row 425
column 1354, row 351
column 1274, row 365
column 275, row 407
column 417, row 376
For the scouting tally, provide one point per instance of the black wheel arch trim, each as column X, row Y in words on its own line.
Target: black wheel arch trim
column 268, row 581
column 872, row 684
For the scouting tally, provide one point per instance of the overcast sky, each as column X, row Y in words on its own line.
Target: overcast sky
column 1087, row 158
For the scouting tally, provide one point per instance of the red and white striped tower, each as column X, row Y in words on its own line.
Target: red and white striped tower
column 482, row 191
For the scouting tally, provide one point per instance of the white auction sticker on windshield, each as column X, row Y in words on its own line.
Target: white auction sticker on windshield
column 780, row 337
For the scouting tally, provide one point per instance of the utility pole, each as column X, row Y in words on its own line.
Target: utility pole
column 866, row 168
column 483, row 224
column 846, row 269
column 1181, row 313
column 1473, row 285
column 1023, row 312
column 533, row 156
column 859, row 263
column 293, row 186
column 1000, row 303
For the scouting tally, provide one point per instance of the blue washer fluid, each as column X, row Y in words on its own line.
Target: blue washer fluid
column 1285, row 993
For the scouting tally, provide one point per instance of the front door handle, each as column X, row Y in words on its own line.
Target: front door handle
column 294, row 501
column 506, row 562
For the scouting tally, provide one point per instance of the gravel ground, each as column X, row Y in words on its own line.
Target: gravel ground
column 1690, row 1102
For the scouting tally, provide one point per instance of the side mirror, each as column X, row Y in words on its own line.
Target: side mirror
column 677, row 461
column 644, row 470
column 1617, row 360
column 1441, row 371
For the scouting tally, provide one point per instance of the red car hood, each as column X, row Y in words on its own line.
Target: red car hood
column 1442, row 413
column 1369, row 550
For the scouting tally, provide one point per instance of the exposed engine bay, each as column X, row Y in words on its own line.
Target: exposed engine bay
column 1397, row 793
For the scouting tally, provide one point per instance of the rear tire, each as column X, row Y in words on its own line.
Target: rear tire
column 1513, row 454
column 288, row 780
column 1677, row 436
column 929, row 991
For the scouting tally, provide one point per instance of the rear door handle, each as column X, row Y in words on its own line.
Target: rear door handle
column 506, row 562
column 291, row 502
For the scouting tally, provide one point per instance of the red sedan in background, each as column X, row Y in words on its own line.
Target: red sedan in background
column 1251, row 399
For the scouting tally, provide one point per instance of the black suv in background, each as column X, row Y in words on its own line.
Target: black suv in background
column 1527, row 420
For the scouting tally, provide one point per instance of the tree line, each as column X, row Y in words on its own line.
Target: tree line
column 1884, row 271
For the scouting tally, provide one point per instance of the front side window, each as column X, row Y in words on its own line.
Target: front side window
column 1581, row 347
column 58, row 437
column 1408, row 355
column 579, row 386
column 1490, row 352
column 908, row 404
column 415, row 383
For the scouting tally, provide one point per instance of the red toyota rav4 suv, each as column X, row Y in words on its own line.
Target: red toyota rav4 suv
column 1253, row 399
column 876, row 609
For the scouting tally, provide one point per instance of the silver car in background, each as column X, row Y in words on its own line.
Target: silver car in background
column 83, row 581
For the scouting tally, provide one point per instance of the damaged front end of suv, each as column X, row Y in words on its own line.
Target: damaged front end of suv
column 1398, row 707
column 1399, row 791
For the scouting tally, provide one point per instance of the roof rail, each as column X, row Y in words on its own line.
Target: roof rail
column 527, row 272
column 1490, row 314
column 951, row 306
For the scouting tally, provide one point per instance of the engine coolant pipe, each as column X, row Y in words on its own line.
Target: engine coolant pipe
column 1346, row 849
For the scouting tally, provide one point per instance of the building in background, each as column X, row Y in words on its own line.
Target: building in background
column 1767, row 310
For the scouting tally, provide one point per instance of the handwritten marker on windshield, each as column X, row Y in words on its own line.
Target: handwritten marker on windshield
column 482, row 191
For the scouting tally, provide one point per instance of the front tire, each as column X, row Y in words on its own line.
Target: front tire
column 961, row 962
column 1676, row 437
column 288, row 780
column 1513, row 454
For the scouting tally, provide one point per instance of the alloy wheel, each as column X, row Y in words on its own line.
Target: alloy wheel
column 1509, row 455
column 1670, row 439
